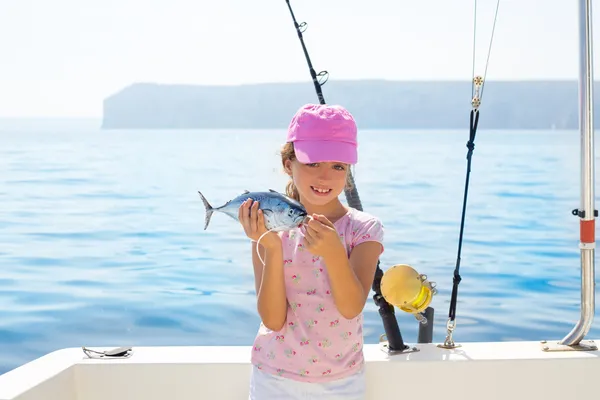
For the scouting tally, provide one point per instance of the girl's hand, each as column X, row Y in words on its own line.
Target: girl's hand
column 253, row 222
column 321, row 237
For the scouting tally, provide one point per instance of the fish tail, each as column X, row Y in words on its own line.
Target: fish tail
column 209, row 210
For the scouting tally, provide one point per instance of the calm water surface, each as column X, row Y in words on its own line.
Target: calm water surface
column 102, row 242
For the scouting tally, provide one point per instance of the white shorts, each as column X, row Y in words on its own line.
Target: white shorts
column 264, row 386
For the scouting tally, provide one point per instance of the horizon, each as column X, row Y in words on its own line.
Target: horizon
column 198, row 85
column 291, row 83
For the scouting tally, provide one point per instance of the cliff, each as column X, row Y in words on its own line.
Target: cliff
column 376, row 104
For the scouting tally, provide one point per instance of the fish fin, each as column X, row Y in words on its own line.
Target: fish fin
column 267, row 211
column 273, row 191
column 209, row 210
column 246, row 191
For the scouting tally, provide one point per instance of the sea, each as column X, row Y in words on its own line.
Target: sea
column 102, row 240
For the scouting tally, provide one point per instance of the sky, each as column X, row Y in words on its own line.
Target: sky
column 61, row 58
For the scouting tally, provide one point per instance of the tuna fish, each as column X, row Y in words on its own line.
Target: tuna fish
column 281, row 212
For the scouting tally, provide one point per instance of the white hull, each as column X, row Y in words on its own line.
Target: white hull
column 475, row 371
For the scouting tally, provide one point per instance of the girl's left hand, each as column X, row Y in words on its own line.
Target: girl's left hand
column 321, row 237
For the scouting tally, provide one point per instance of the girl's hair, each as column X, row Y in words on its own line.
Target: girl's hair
column 287, row 153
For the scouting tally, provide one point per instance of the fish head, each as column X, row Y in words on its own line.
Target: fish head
column 299, row 216
column 295, row 213
column 294, row 216
column 289, row 213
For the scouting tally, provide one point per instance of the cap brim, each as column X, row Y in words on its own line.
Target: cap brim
column 308, row 152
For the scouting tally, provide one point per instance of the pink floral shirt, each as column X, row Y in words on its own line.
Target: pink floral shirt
column 316, row 343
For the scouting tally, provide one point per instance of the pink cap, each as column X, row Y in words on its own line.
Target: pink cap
column 322, row 133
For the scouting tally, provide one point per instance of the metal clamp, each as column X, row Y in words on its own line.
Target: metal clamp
column 385, row 347
column 449, row 342
column 476, row 101
column 584, row 345
column 117, row 352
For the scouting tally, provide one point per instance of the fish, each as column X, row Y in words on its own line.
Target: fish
column 282, row 213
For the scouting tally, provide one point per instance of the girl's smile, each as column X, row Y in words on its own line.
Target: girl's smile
column 320, row 191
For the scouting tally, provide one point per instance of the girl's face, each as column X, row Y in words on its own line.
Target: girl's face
column 318, row 183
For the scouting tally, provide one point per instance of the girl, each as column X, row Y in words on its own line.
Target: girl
column 316, row 279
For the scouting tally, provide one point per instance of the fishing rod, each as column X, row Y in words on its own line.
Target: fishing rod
column 477, row 86
column 386, row 310
column 300, row 28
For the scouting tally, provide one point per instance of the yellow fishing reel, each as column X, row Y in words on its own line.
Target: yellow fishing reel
column 403, row 287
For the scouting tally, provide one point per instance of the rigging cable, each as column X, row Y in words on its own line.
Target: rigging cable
column 386, row 310
column 476, row 96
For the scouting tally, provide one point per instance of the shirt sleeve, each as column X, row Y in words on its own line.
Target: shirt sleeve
column 371, row 230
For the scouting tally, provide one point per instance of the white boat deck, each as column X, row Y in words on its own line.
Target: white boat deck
column 475, row 371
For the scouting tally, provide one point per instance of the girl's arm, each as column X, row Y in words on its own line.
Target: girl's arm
column 270, row 285
column 268, row 279
column 351, row 279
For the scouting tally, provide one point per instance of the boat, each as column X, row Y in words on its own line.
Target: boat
column 548, row 369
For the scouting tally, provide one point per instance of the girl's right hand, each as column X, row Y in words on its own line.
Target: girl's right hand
column 253, row 221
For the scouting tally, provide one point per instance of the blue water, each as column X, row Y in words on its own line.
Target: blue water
column 101, row 240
